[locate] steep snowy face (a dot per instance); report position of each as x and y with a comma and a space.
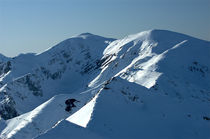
142, 58
64, 68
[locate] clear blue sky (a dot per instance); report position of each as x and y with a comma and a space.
35, 25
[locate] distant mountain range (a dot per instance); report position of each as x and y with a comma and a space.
152, 85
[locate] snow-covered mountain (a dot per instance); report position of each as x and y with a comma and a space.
3, 58
153, 84
65, 68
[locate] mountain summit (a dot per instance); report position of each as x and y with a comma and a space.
153, 84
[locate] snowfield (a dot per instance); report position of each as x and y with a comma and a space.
152, 85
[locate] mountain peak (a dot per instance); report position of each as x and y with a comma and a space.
157, 34
86, 33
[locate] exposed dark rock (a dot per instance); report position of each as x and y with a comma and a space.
106, 88
8, 67
87, 68
123, 92
5, 67
33, 86
7, 110
206, 118
197, 67
56, 75
155, 87
66, 55
134, 98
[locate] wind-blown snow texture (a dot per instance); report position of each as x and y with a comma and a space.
154, 84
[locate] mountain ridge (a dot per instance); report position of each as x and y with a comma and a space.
160, 64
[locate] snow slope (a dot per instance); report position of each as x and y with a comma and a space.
66, 129
137, 58
65, 68
38, 120
153, 84
44, 117
47, 115
127, 110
